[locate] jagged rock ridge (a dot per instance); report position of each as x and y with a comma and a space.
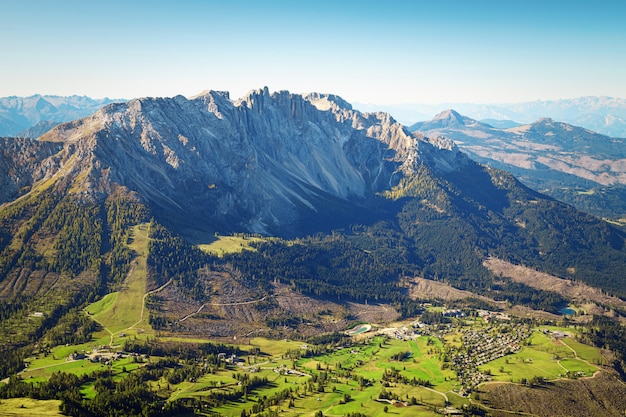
263, 163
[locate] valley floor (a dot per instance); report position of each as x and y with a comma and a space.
484, 360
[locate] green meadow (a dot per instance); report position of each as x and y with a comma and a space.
412, 372
355, 375
367, 360
545, 357
224, 245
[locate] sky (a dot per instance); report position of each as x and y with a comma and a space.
385, 52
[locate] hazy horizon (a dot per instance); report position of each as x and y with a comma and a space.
398, 53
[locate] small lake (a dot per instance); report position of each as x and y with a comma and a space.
566, 311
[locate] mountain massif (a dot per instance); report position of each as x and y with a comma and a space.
283, 165
570, 163
254, 165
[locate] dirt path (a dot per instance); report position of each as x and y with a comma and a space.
581, 359
103, 326
143, 303
443, 394
143, 306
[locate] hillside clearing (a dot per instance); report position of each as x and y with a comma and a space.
224, 245
124, 310
597, 396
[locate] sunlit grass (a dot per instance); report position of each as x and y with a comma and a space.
29, 407
224, 245
105, 304
125, 310
585, 352
274, 347
545, 357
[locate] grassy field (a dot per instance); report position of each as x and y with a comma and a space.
105, 304
367, 360
79, 367
544, 357
585, 352
229, 244
275, 347
29, 407
58, 355
356, 372
121, 314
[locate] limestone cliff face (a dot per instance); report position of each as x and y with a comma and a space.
262, 163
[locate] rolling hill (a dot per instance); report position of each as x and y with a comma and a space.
570, 163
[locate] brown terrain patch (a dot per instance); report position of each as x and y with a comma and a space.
523, 311
232, 307
601, 395
573, 290
421, 288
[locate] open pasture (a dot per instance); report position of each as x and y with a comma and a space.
544, 357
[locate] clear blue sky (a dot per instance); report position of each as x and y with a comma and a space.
384, 52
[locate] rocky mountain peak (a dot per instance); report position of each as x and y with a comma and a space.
447, 119
452, 118
448, 114
211, 93
42, 105
544, 121
254, 98
327, 101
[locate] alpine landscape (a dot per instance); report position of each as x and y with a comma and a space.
278, 253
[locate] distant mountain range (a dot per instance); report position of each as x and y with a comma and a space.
19, 114
571, 163
604, 115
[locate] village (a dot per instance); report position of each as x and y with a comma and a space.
483, 346
498, 338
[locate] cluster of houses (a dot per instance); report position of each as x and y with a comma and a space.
418, 328
486, 345
101, 354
